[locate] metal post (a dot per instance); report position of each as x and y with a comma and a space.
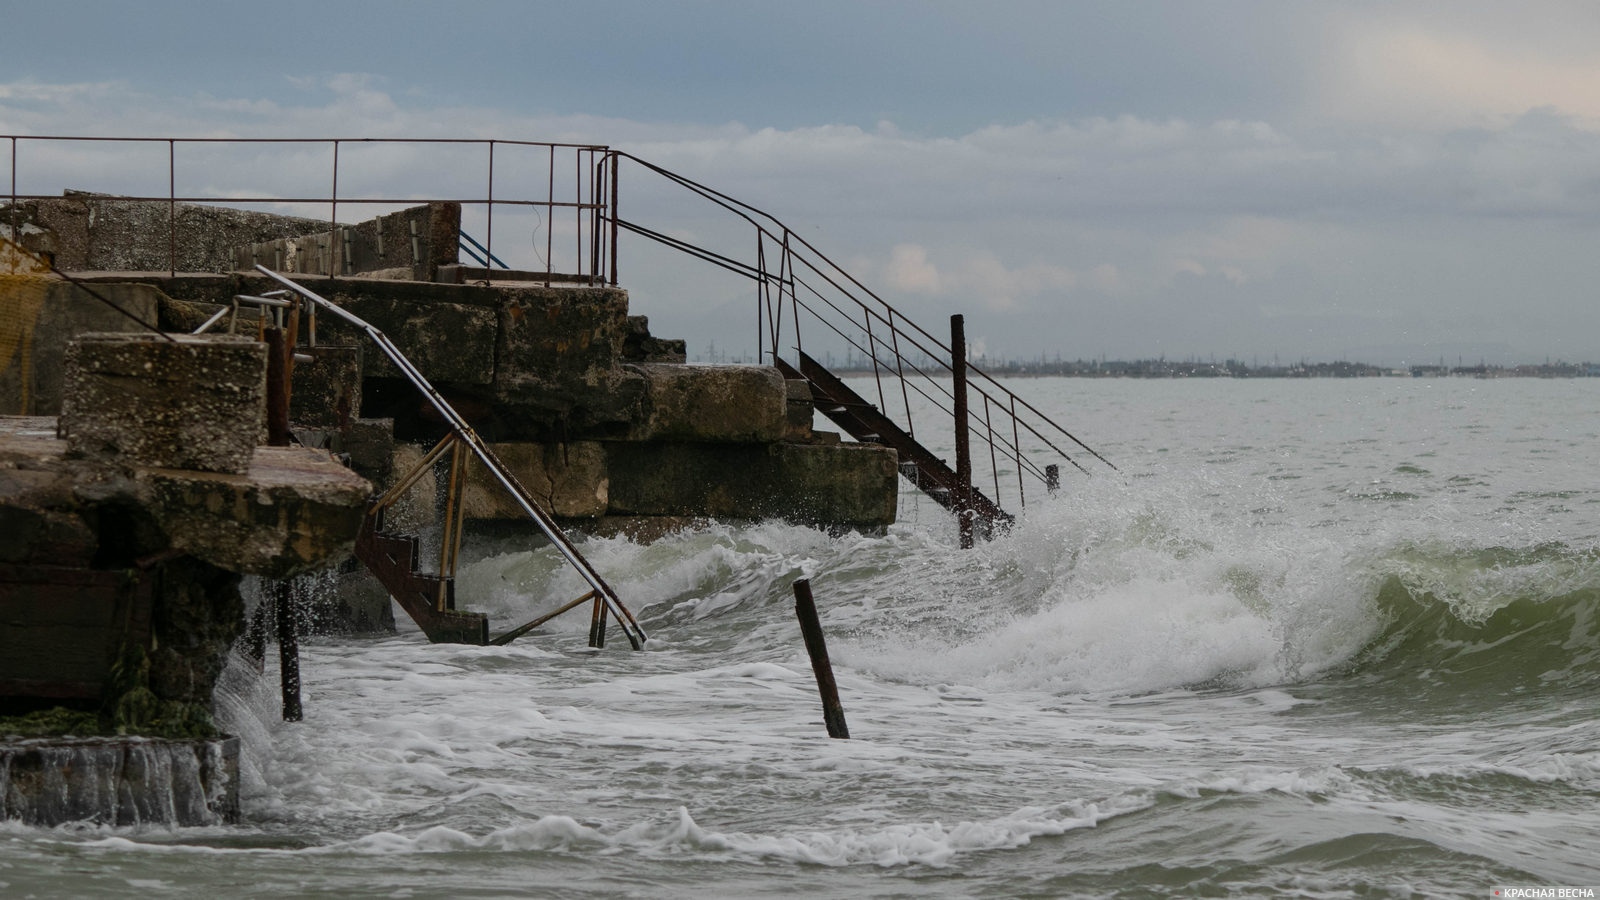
288, 649
549, 218
488, 237
763, 302
805, 609
958, 371
277, 387
616, 166
597, 625
172, 207
14, 235
333, 217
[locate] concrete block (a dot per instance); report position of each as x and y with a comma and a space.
639, 345
327, 389
193, 402
448, 342
852, 485
701, 403
121, 781
370, 445
569, 481
41, 318
799, 410
298, 511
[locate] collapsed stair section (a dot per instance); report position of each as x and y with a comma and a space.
864, 422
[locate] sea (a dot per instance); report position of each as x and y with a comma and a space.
1317, 638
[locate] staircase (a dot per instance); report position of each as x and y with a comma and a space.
804, 298
864, 422
430, 600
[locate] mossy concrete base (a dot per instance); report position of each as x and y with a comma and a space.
119, 781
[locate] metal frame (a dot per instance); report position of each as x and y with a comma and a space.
591, 203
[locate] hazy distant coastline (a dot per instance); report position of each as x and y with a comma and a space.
1164, 368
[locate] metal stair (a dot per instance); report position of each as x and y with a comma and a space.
864, 422
430, 600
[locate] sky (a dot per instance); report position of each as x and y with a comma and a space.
1380, 182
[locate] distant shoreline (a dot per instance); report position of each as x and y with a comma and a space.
1232, 369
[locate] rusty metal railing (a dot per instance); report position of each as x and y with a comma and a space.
557, 179
795, 280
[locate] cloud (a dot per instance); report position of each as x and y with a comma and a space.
1026, 221
1404, 69
910, 272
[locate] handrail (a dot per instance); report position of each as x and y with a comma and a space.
586, 194
468, 243
807, 280
465, 433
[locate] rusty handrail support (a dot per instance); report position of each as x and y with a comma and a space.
521, 630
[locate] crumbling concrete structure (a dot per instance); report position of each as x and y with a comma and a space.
120, 573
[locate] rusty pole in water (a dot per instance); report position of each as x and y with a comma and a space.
283, 601
805, 609
958, 387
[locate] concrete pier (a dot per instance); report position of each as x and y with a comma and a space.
125, 543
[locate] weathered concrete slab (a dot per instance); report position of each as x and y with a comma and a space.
327, 389
294, 511
703, 403
449, 342
569, 481
189, 402
415, 242
558, 370
851, 485
99, 232
42, 316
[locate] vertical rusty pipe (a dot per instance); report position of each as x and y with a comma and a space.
550, 220
14, 236
597, 624
577, 209
872, 350
172, 207
994, 462
277, 387
333, 224
805, 609
288, 649
900, 372
616, 166
448, 525
958, 372
1016, 448
596, 173
763, 303
488, 237
794, 300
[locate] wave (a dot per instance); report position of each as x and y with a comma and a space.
1127, 590
1486, 622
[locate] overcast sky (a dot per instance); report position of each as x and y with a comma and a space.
1383, 182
